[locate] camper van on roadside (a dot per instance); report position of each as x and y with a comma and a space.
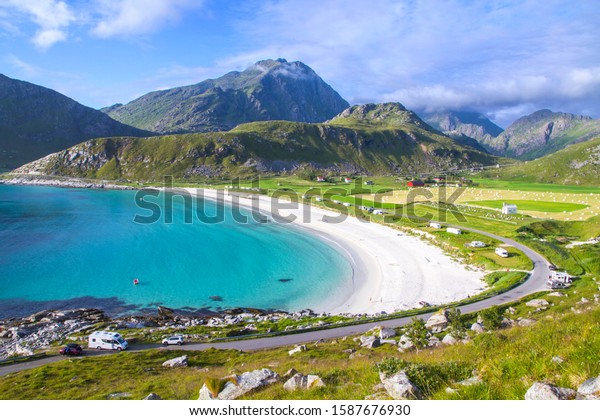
105, 340
453, 230
502, 252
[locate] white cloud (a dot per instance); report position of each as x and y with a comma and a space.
134, 17
486, 56
52, 17
23, 68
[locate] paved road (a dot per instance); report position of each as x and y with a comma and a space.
535, 283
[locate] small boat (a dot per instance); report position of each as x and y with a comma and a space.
216, 298
284, 280
136, 282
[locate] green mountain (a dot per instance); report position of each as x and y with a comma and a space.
268, 90
367, 139
36, 121
577, 164
541, 133
463, 125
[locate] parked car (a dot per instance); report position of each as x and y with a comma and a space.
71, 350
552, 267
174, 340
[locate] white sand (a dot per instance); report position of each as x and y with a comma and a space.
392, 271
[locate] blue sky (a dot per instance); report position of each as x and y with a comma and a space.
503, 58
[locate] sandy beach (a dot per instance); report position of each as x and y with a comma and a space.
392, 270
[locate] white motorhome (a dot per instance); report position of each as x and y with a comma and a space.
502, 252
105, 340
435, 225
455, 231
561, 277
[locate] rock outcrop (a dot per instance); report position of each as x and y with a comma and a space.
399, 386
181, 361
546, 391
238, 385
300, 381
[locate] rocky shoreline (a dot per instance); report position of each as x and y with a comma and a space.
47, 181
25, 336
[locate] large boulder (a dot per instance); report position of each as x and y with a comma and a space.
545, 391
297, 349
590, 387
449, 340
437, 322
176, 362
404, 343
537, 303
386, 333
300, 381
152, 396
370, 341
399, 387
238, 385
477, 327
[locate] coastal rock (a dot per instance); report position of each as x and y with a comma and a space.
370, 342
449, 340
119, 395
404, 344
537, 303
386, 333
300, 381
399, 386
590, 387
477, 327
545, 391
291, 372
437, 322
506, 323
152, 396
297, 349
433, 342
181, 361
238, 385
164, 312
525, 322
473, 380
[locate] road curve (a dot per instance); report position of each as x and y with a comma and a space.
535, 283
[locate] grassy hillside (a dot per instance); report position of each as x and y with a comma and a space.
36, 121
344, 146
578, 164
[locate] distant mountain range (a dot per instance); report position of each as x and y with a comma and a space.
542, 133
268, 90
384, 139
36, 121
529, 137
577, 164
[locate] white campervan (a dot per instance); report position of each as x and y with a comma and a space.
105, 340
502, 252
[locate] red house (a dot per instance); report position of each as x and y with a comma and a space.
415, 183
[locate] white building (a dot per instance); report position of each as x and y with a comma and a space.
509, 208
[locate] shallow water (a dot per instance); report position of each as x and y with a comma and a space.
74, 247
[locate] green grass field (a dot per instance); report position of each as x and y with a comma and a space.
534, 186
532, 205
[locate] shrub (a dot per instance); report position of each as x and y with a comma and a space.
491, 317
417, 333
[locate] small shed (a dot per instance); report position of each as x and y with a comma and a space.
509, 208
415, 183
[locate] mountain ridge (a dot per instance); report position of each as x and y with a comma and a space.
384, 146
267, 90
36, 121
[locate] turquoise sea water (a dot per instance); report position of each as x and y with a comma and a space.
72, 247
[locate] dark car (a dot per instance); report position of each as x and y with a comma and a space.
552, 267
71, 350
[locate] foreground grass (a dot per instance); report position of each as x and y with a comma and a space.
508, 361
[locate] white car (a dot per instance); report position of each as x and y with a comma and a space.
176, 339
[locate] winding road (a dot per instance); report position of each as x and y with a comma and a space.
535, 283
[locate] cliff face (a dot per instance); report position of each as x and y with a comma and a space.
542, 133
36, 121
268, 90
